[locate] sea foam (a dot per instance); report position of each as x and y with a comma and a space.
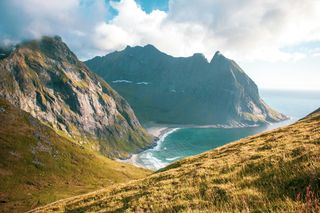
147, 158
162, 138
172, 159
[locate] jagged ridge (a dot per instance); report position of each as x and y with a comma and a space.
184, 90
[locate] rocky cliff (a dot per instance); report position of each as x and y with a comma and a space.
184, 90
47, 80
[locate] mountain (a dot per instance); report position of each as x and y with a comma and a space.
276, 171
184, 90
43, 77
37, 166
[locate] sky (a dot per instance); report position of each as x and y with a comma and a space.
277, 43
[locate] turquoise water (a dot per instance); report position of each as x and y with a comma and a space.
183, 142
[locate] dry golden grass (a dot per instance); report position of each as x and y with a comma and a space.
276, 171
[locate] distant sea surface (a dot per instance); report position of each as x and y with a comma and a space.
183, 142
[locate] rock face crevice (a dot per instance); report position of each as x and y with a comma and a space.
47, 80
184, 90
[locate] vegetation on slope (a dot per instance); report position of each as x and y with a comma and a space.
45, 78
37, 166
275, 171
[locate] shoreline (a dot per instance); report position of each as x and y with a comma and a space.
158, 130
161, 131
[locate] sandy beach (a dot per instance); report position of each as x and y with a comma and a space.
157, 132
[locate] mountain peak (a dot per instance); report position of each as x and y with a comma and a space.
128, 47
147, 46
199, 56
150, 46
52, 47
218, 53
217, 56
44, 40
151, 49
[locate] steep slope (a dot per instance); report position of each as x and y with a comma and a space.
276, 171
47, 80
190, 90
37, 166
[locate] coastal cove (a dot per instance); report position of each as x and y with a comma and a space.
177, 142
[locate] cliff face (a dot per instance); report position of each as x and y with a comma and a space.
190, 90
238, 95
47, 80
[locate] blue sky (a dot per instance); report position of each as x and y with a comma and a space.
277, 43
147, 5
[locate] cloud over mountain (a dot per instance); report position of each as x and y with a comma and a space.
246, 29
72, 19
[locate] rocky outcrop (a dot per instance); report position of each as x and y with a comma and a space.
184, 90
47, 80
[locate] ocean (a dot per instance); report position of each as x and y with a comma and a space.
182, 142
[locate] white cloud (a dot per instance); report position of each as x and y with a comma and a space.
253, 29
245, 29
74, 20
242, 29
132, 26
262, 35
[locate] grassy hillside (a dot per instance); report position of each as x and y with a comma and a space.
37, 166
277, 171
